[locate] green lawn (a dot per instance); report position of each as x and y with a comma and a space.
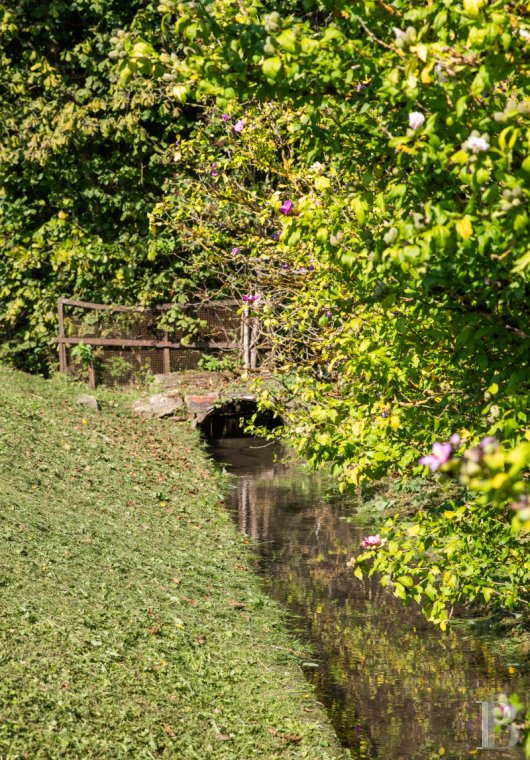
132, 625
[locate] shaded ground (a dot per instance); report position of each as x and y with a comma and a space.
132, 624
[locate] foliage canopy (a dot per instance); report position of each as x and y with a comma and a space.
369, 172
82, 162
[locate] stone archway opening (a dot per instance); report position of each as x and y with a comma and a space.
229, 419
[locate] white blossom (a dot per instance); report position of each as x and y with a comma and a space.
525, 34
476, 143
416, 120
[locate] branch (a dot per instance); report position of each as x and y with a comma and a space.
376, 39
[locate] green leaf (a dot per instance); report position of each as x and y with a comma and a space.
322, 183
461, 105
294, 237
271, 67
486, 593
399, 591
359, 209
406, 580
287, 40
522, 263
460, 157
525, 166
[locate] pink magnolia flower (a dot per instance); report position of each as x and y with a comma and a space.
504, 712
239, 126
251, 298
371, 542
286, 207
441, 454
489, 442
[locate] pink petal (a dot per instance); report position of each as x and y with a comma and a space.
442, 451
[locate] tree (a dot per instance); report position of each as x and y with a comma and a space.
82, 164
373, 176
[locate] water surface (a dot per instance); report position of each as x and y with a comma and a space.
394, 687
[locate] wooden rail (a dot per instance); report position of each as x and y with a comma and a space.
143, 343
155, 307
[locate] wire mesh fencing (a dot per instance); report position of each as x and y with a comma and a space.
120, 345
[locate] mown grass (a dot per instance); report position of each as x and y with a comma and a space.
132, 625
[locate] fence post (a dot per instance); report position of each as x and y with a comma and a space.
166, 357
92, 376
254, 337
62, 347
246, 339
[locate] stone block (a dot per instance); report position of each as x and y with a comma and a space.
90, 401
161, 405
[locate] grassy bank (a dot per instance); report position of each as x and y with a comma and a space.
132, 625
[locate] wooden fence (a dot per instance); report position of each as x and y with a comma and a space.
130, 339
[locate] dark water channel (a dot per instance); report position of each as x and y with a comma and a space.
394, 687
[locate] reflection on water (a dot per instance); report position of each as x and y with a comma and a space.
394, 687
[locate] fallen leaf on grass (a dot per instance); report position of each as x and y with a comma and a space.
200, 638
222, 737
176, 580
286, 738
169, 731
236, 605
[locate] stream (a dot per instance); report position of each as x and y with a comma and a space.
393, 685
